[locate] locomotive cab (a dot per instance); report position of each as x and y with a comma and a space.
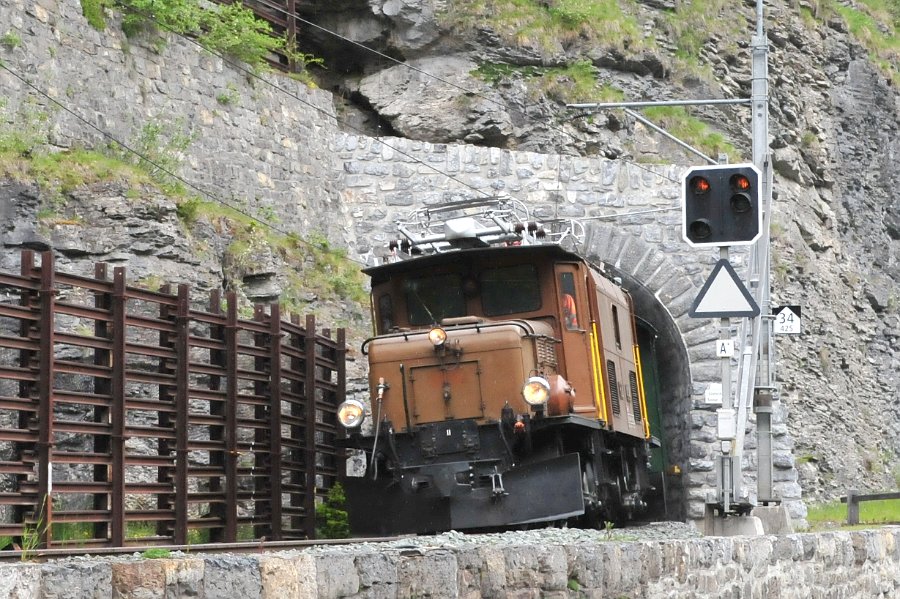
506, 390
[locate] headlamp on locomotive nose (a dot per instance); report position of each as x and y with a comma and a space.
437, 336
351, 413
536, 391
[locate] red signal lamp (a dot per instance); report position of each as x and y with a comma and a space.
700, 185
740, 183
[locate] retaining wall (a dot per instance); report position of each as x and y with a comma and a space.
864, 564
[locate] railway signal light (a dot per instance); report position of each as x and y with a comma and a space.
721, 205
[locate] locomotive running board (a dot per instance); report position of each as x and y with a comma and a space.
540, 492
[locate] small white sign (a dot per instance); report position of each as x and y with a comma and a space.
787, 320
725, 419
713, 394
725, 348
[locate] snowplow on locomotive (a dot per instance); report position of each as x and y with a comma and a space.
506, 381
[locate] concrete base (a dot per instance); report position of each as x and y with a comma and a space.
731, 526
775, 519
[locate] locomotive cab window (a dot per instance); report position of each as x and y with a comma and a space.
567, 300
385, 312
510, 289
431, 299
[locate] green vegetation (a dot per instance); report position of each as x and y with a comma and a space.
229, 29
875, 23
828, 516
549, 27
72, 531
693, 131
160, 148
95, 13
331, 516
139, 530
692, 24
314, 264
157, 553
10, 40
573, 83
229, 96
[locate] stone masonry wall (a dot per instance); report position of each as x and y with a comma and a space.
258, 143
846, 565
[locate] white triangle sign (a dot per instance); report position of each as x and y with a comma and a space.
724, 296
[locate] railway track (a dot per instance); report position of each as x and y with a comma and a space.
248, 547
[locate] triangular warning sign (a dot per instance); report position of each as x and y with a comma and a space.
724, 296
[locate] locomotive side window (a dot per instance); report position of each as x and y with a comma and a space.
615, 319
431, 299
386, 312
510, 289
567, 299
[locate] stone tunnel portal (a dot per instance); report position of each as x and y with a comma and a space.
667, 381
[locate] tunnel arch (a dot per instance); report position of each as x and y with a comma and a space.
662, 294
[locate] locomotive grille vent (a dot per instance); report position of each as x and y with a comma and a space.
635, 401
613, 386
546, 354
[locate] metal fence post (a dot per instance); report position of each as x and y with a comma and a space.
275, 419
309, 498
44, 515
117, 410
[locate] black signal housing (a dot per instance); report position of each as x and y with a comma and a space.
721, 205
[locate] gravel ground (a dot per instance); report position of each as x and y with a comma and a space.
653, 531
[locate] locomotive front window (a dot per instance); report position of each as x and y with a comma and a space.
430, 299
510, 289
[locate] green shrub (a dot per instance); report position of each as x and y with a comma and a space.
693, 131
95, 13
229, 29
332, 521
10, 40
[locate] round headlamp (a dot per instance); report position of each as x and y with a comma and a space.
351, 413
536, 391
437, 336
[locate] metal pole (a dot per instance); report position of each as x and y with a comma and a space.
668, 135
650, 104
762, 384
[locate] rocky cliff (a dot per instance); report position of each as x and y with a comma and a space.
484, 75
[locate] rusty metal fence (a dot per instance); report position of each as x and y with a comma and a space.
129, 417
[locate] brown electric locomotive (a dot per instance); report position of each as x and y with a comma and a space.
505, 377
